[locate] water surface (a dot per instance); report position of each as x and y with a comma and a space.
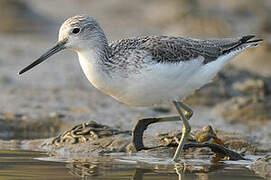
21, 164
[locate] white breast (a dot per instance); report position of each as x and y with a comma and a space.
92, 70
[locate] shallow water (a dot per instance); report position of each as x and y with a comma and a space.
21, 164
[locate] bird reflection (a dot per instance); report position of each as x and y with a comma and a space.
111, 169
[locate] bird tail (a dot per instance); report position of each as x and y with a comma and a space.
244, 43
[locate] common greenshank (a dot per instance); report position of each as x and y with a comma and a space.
150, 70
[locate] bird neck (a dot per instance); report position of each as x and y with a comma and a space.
94, 55
99, 49
94, 64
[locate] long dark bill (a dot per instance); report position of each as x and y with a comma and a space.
60, 46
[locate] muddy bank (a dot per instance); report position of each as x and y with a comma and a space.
90, 139
105, 145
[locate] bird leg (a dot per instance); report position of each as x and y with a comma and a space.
185, 131
188, 112
142, 125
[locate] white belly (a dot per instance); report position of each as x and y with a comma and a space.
160, 83
155, 83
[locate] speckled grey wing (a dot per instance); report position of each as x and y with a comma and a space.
122, 51
166, 49
125, 46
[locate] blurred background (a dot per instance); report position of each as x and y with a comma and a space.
56, 95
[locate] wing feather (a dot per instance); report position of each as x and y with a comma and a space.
166, 49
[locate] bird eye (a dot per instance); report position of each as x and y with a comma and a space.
76, 30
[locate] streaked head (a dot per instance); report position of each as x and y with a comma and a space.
80, 32
77, 33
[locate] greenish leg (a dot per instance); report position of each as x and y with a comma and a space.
186, 127
188, 112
